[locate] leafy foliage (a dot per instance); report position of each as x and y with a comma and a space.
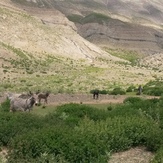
104, 92
153, 88
128, 55
70, 132
117, 91
131, 88
5, 105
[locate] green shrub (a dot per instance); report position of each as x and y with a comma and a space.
154, 88
109, 108
133, 100
154, 138
70, 144
74, 112
5, 106
117, 91
80, 133
103, 92
158, 158
15, 124
154, 91
126, 132
131, 89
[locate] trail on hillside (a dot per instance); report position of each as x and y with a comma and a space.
57, 99
88, 98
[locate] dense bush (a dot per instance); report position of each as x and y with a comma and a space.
15, 124
80, 133
154, 91
158, 156
126, 132
74, 112
131, 89
117, 91
4, 107
104, 92
151, 108
133, 100
154, 88
69, 144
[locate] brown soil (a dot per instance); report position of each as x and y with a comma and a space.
88, 99
84, 98
57, 99
134, 155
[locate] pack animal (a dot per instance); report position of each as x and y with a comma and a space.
20, 104
43, 96
95, 94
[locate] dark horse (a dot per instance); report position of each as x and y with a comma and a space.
95, 94
43, 96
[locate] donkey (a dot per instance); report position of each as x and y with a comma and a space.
43, 96
20, 104
96, 94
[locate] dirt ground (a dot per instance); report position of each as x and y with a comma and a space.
84, 99
77, 98
57, 99
134, 155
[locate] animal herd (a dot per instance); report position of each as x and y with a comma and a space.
25, 102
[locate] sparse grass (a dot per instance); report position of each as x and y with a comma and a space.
42, 111
90, 18
128, 55
95, 18
16, 51
62, 75
75, 18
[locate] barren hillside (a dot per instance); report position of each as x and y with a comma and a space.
40, 48
43, 31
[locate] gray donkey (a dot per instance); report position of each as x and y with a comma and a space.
20, 104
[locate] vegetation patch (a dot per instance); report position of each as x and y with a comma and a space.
154, 88
128, 55
91, 18
68, 133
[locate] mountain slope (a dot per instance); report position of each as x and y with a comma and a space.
131, 25
44, 35
41, 49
